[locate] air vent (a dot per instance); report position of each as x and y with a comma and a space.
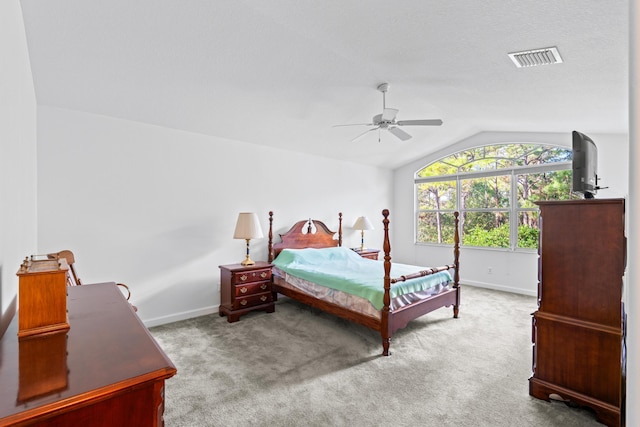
531, 58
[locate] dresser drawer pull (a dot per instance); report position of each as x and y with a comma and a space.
263, 298
243, 302
263, 286
243, 277
243, 290
263, 274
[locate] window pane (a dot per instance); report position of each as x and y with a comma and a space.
528, 227
491, 157
488, 229
486, 193
434, 227
486, 158
543, 186
447, 166
437, 195
540, 154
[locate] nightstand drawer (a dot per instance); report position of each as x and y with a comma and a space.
247, 289
251, 300
252, 276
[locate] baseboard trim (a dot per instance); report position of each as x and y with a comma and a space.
500, 288
176, 317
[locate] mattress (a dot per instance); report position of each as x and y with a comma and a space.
339, 264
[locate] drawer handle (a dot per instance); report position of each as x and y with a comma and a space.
263, 274
263, 286
243, 277
243, 290
263, 298
243, 302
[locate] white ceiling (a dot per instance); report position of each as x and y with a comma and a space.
283, 72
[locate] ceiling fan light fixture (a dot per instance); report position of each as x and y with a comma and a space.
532, 58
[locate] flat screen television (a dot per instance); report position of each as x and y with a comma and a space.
584, 165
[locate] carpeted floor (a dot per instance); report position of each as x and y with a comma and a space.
302, 367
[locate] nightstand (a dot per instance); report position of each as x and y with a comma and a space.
367, 253
245, 288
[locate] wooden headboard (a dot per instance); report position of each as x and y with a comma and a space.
301, 236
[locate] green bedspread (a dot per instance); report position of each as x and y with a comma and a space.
342, 269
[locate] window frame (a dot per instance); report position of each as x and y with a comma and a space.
513, 209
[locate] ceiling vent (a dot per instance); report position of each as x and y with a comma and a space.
531, 58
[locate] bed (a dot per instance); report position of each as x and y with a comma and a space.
415, 291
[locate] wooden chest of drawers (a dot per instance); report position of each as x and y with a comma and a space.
244, 288
578, 330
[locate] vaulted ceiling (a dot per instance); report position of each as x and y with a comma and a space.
283, 72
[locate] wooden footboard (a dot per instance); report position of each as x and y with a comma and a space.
389, 321
403, 315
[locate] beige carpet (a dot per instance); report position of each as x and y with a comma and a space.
301, 367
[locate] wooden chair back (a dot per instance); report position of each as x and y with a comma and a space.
72, 276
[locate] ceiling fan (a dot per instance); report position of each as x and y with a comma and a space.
387, 120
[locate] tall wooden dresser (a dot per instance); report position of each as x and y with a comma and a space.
578, 332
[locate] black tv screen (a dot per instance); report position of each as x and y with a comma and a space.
584, 165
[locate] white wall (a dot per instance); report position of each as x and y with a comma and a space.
633, 220
155, 208
511, 271
17, 154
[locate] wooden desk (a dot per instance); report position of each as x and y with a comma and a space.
106, 370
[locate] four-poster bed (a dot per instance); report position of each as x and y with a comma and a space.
401, 299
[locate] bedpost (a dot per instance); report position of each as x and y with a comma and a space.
456, 262
339, 228
270, 245
385, 327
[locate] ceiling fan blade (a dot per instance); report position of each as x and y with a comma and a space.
355, 124
399, 133
389, 114
426, 122
365, 132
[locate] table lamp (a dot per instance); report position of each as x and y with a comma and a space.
247, 227
362, 223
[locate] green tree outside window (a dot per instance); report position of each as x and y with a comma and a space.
490, 186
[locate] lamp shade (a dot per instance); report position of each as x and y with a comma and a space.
362, 223
248, 226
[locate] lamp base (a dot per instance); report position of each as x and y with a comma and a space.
248, 261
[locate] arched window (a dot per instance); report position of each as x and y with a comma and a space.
494, 188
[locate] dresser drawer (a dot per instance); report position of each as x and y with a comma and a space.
252, 300
252, 276
247, 289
